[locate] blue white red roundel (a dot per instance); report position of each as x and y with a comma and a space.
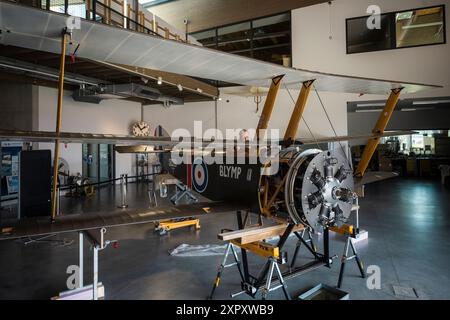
199, 175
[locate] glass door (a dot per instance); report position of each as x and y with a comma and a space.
98, 162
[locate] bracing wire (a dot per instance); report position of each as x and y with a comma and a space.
332, 127
307, 126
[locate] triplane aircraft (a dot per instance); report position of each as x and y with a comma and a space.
312, 189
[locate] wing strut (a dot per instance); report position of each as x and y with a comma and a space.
297, 113
59, 120
268, 105
381, 124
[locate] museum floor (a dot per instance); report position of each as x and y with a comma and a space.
407, 220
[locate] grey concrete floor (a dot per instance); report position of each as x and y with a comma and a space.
408, 222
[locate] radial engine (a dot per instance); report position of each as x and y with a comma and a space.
311, 187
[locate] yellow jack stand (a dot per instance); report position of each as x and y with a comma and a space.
165, 226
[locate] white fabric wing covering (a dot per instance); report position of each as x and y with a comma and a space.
41, 30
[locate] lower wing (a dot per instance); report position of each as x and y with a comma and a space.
40, 226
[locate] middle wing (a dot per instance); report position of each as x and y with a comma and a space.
146, 144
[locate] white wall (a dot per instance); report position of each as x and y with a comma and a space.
312, 49
108, 117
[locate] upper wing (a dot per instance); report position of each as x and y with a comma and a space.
42, 31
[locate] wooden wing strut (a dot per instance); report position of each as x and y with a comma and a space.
379, 128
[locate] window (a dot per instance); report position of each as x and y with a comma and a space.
150, 3
403, 29
267, 39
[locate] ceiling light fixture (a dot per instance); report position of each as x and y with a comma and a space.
160, 80
369, 110
371, 104
430, 102
408, 109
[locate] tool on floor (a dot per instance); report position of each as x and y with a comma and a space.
165, 226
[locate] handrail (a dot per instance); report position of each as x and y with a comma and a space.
98, 183
68, 186
128, 20
91, 7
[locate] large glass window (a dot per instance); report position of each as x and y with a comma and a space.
419, 27
400, 29
267, 39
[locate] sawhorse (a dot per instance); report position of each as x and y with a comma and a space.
183, 191
350, 232
308, 243
253, 240
262, 249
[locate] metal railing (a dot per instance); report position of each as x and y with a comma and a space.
90, 10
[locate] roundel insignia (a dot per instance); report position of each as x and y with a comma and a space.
199, 175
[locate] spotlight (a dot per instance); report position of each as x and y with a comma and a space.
199, 90
180, 87
160, 80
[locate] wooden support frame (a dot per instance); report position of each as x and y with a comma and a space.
297, 113
379, 128
267, 205
249, 235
